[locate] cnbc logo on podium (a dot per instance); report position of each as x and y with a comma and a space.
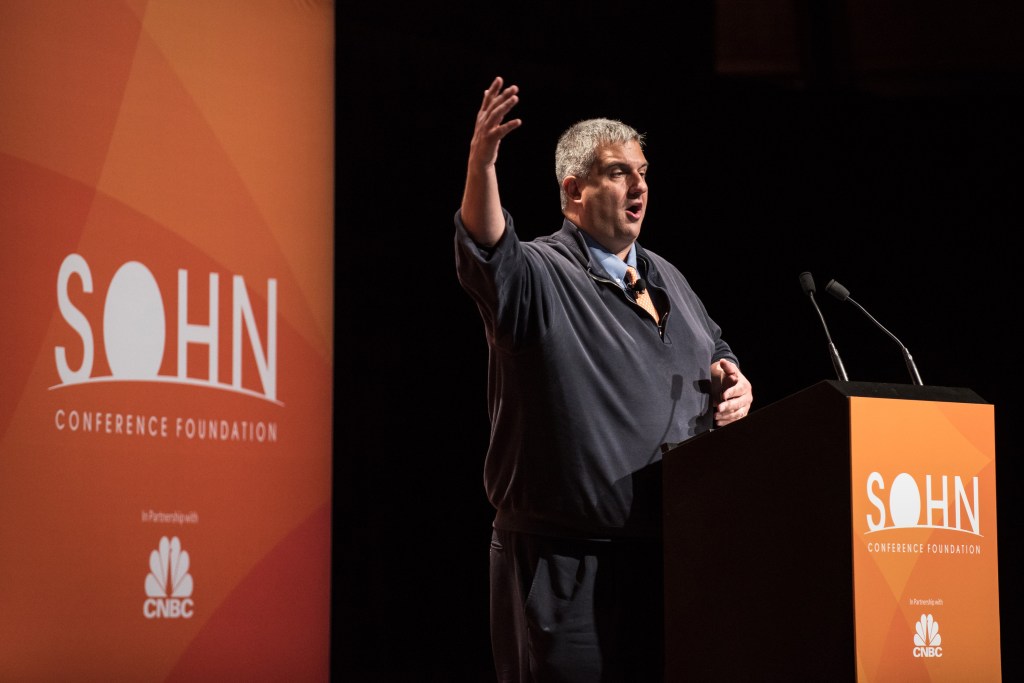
168, 584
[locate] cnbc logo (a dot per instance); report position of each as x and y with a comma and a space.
927, 641
168, 584
134, 330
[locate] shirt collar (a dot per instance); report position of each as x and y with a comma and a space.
611, 263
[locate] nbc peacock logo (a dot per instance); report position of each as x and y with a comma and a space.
927, 641
168, 584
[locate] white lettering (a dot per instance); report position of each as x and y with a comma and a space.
905, 505
961, 496
242, 309
169, 608
74, 265
135, 349
876, 478
936, 503
197, 334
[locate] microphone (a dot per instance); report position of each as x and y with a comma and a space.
639, 285
843, 294
807, 282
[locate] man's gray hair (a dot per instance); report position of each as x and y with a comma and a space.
577, 147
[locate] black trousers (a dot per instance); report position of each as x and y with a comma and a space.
566, 610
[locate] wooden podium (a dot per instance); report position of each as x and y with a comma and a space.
846, 532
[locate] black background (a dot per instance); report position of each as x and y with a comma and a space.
902, 181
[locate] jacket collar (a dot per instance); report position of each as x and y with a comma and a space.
571, 237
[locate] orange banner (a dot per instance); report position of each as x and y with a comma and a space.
924, 541
167, 263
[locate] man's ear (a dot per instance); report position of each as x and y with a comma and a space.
572, 188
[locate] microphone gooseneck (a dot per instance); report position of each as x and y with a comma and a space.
807, 283
843, 294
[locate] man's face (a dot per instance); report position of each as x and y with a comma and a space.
613, 197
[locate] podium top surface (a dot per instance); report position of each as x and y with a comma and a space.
911, 392
820, 400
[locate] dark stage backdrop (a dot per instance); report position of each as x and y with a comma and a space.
899, 175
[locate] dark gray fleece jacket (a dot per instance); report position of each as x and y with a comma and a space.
583, 386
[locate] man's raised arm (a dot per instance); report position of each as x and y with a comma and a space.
481, 203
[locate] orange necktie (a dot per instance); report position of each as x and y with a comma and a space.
643, 297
